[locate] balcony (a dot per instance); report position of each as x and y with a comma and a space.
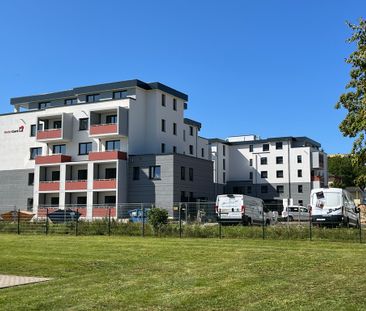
54, 128
103, 129
107, 155
50, 134
105, 184
108, 122
55, 158
76, 185
49, 186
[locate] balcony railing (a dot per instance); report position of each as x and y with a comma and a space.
54, 158
104, 184
103, 129
49, 134
49, 186
107, 155
76, 185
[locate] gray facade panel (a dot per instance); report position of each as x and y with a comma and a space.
14, 189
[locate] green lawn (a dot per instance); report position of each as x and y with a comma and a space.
126, 273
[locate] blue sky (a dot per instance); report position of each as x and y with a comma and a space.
271, 68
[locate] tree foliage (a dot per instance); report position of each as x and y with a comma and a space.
158, 218
354, 100
342, 169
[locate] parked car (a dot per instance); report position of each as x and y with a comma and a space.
333, 207
241, 209
296, 213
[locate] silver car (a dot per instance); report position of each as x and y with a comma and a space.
296, 213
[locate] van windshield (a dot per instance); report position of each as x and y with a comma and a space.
331, 199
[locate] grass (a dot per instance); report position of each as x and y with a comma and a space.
132, 273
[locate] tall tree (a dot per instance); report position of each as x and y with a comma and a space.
354, 100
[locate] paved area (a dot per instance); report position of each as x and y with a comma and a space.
13, 280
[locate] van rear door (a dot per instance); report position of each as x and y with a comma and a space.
230, 206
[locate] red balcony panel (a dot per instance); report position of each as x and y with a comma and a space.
315, 178
104, 184
55, 158
49, 186
76, 185
107, 155
103, 212
102, 129
49, 134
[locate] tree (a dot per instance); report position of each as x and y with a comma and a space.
342, 169
158, 218
354, 100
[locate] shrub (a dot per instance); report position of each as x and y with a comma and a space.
158, 219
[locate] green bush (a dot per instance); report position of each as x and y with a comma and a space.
158, 219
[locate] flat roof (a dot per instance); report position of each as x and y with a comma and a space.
193, 123
98, 88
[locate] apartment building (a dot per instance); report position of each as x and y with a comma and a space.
272, 169
126, 141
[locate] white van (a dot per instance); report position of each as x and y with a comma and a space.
238, 208
333, 207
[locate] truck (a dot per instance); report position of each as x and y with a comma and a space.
241, 209
333, 207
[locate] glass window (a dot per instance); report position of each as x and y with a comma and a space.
35, 152
279, 174
81, 200
162, 125
83, 124
249, 189
163, 100
299, 159
299, 188
162, 148
174, 104
279, 160
280, 189
82, 174
264, 174
33, 130
112, 145
174, 128
264, 161
59, 149
119, 94
30, 179
202, 152
43, 105
54, 201
71, 101
223, 164
190, 149
250, 175
279, 145
111, 119
223, 150
85, 148
191, 130
299, 173
136, 173
57, 124
250, 162
155, 172
92, 98
223, 177
110, 173
55, 175
265, 147
174, 149
303, 210
182, 173
184, 135
250, 148
190, 174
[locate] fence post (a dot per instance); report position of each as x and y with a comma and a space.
180, 219
263, 223
359, 223
186, 205
220, 224
77, 222
18, 221
46, 221
109, 220
310, 226
143, 219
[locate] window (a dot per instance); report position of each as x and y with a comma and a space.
224, 177
279, 174
43, 105
182, 173
136, 173
83, 124
264, 174
33, 130
54, 201
250, 162
250, 148
301, 203
184, 135
55, 175
112, 145
250, 175
191, 130
174, 149
174, 128
163, 100
35, 152
82, 174
264, 161
29, 204
279, 160
223, 164
190, 149
30, 179
119, 94
264, 189
92, 98
299, 188
202, 152
280, 189
223, 150
249, 189
299, 159
81, 200
265, 147
110, 199
162, 148
71, 101
162, 125
110, 173
85, 148
111, 119
183, 197
279, 145
174, 104
57, 124
59, 149
155, 172
190, 174
299, 173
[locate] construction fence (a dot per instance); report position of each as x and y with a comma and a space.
185, 220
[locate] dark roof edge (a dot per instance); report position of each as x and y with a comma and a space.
274, 139
218, 140
193, 123
98, 88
